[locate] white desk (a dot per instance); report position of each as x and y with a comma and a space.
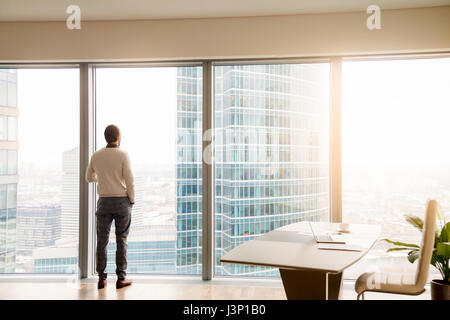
306, 271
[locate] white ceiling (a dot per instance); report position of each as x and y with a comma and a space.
47, 10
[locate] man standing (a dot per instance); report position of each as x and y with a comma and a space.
110, 168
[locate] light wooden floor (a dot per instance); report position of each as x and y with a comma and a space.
160, 290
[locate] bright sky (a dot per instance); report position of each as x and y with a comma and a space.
48, 101
396, 112
143, 103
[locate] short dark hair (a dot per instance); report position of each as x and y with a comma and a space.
112, 133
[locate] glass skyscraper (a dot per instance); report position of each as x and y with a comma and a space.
8, 169
271, 152
189, 170
271, 165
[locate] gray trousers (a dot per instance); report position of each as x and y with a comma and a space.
119, 210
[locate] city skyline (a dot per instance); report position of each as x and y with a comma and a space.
166, 234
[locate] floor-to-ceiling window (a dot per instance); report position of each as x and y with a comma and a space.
39, 141
271, 167
395, 149
159, 113
271, 146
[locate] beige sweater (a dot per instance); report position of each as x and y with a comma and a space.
110, 167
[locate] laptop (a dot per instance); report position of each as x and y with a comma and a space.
325, 238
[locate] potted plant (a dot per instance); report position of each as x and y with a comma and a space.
440, 289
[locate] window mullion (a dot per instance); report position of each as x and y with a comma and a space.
85, 257
207, 175
336, 140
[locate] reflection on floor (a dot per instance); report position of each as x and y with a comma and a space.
151, 289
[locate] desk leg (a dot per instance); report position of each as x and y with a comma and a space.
310, 285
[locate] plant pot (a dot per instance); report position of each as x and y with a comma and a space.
440, 290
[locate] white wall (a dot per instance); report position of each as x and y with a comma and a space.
405, 30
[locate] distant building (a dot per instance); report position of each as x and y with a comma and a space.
70, 193
9, 178
37, 227
137, 215
151, 249
62, 257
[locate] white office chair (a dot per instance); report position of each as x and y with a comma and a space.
389, 283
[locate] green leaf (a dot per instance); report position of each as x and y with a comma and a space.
413, 256
401, 243
434, 260
443, 250
415, 221
437, 259
398, 249
445, 233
